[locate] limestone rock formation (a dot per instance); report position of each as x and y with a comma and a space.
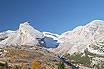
81, 38
25, 35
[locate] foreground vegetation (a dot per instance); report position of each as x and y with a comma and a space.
85, 59
28, 58
79, 59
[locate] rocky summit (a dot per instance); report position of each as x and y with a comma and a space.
83, 45
25, 35
81, 38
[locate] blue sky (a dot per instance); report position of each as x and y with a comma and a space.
56, 16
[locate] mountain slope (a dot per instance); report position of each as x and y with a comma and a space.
25, 35
77, 40
83, 46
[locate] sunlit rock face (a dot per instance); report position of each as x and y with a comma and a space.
82, 37
25, 35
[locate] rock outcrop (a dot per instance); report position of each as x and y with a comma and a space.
25, 35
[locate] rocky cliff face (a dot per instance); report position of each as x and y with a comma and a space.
25, 35
81, 38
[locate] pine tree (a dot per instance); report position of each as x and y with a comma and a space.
61, 65
6, 65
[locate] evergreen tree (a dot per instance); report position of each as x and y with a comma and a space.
6, 65
61, 65
18, 67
